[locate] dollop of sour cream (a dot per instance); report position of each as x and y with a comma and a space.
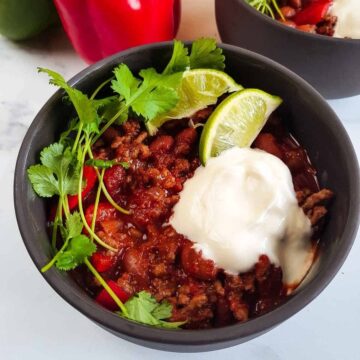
348, 22
241, 205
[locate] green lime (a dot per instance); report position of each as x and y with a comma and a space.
199, 88
22, 19
237, 121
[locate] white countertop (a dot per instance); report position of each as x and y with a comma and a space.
35, 323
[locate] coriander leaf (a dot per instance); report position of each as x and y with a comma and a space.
65, 138
84, 107
51, 156
172, 81
140, 306
106, 164
163, 311
126, 83
74, 225
61, 161
43, 181
57, 158
58, 174
155, 95
179, 61
152, 79
170, 324
144, 308
206, 55
113, 107
158, 101
79, 248
101, 103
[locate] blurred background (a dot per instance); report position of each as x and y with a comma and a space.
98, 29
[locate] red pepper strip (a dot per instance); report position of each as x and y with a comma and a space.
99, 28
105, 211
105, 299
90, 177
102, 262
313, 13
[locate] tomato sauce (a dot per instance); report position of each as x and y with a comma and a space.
151, 255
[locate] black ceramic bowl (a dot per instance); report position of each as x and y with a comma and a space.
311, 120
331, 65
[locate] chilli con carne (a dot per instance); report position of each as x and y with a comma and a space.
150, 254
114, 187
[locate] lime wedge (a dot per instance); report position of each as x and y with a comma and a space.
199, 88
236, 121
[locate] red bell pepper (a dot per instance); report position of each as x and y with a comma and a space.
313, 13
105, 211
102, 262
106, 300
99, 28
90, 176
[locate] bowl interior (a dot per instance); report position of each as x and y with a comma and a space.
310, 119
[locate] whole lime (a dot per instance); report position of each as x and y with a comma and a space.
22, 19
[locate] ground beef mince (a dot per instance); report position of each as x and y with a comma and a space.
152, 256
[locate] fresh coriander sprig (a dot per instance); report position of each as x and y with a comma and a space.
61, 170
144, 308
156, 93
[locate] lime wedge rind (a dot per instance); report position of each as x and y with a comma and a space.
236, 121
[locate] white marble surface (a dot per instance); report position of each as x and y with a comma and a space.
35, 323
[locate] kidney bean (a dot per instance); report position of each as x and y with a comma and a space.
113, 179
268, 143
295, 159
194, 264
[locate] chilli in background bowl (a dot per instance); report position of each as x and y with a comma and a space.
330, 64
309, 118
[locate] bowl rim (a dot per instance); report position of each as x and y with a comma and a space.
278, 24
228, 334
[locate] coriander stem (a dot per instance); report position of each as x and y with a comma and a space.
99, 88
106, 287
81, 210
57, 217
93, 221
53, 260
276, 6
76, 142
66, 206
104, 189
112, 202
109, 123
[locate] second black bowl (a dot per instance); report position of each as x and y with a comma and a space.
331, 65
310, 119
